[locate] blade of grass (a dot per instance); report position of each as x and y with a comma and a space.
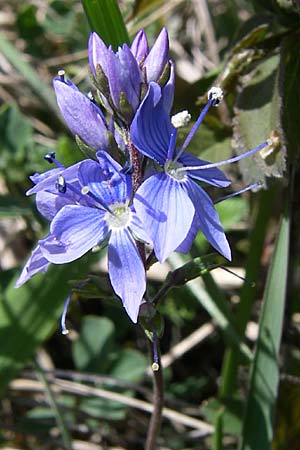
231, 359
258, 421
105, 18
43, 91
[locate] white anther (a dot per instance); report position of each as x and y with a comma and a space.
90, 95
61, 73
155, 367
216, 94
85, 190
181, 119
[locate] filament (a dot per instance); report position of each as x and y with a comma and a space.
241, 191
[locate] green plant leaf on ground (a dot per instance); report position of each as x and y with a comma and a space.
29, 314
258, 421
105, 18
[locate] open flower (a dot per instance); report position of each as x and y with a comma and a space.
100, 208
122, 74
171, 203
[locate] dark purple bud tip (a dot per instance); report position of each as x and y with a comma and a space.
50, 157
128, 168
60, 184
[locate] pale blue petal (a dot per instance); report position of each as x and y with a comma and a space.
208, 218
166, 212
126, 271
137, 228
212, 176
73, 232
36, 263
186, 245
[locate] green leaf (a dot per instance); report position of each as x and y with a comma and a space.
258, 421
256, 116
91, 351
29, 314
290, 75
129, 366
105, 18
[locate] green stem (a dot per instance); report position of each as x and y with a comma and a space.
158, 402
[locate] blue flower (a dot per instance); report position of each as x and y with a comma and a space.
171, 204
97, 206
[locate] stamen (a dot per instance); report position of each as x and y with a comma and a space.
230, 160
50, 158
250, 283
64, 329
216, 94
241, 191
61, 184
85, 190
195, 127
172, 145
181, 119
61, 74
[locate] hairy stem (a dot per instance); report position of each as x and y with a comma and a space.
158, 401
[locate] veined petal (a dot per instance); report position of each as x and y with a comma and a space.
137, 228
48, 182
166, 212
82, 116
73, 232
208, 218
151, 127
157, 57
126, 271
186, 245
97, 51
105, 180
139, 46
48, 203
36, 263
212, 176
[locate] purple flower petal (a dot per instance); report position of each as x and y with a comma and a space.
208, 218
82, 116
105, 180
97, 51
36, 263
157, 57
166, 212
48, 182
186, 245
73, 232
212, 176
126, 271
139, 46
137, 228
151, 127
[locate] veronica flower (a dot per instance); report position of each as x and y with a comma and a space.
171, 203
84, 118
121, 74
100, 209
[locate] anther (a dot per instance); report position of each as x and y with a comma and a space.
61, 184
85, 190
216, 95
181, 119
273, 143
50, 157
61, 74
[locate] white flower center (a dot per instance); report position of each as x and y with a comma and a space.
171, 168
119, 217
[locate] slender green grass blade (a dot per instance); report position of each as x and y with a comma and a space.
29, 314
42, 90
258, 421
105, 18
